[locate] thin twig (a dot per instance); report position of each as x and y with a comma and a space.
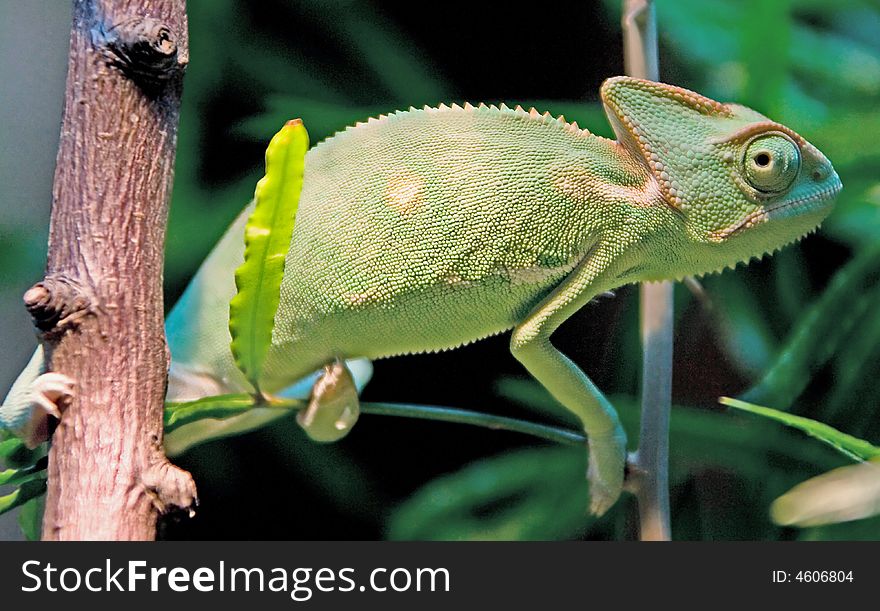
650, 463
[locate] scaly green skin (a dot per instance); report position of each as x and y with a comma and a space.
428, 229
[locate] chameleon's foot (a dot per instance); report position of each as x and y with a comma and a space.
607, 459
51, 389
333, 407
170, 487
48, 394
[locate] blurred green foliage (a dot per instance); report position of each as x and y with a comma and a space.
799, 332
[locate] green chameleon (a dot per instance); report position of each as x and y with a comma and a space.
428, 229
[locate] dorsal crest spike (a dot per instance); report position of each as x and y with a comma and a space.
518, 112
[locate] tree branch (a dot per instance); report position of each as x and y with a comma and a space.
649, 475
100, 306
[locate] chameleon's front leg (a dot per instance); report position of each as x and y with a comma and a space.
530, 344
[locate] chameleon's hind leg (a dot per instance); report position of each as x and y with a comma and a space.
333, 407
530, 344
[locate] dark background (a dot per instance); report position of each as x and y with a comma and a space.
813, 65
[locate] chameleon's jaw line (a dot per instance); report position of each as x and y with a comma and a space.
795, 207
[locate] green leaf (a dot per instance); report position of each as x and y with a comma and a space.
30, 518
22, 495
9, 447
15, 454
19, 476
267, 239
853, 447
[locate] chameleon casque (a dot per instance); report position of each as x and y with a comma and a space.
428, 229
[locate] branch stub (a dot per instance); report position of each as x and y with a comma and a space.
145, 49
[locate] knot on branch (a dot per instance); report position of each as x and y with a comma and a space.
145, 49
57, 304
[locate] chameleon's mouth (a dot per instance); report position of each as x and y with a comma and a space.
787, 209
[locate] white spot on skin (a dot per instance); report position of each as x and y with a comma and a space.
404, 192
455, 280
371, 295
538, 274
597, 191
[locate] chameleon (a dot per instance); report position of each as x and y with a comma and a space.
424, 230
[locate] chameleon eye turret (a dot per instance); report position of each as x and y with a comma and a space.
771, 162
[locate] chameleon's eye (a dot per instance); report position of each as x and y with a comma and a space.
771, 163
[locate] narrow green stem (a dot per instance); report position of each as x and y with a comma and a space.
227, 406
463, 416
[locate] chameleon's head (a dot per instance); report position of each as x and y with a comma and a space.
741, 182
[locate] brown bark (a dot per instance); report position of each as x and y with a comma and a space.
100, 305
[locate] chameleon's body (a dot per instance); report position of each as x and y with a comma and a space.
428, 229
412, 231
